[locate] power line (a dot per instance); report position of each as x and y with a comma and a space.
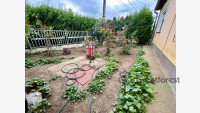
141, 2
132, 5
124, 5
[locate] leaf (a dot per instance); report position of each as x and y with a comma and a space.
138, 105
132, 109
125, 106
128, 88
111, 112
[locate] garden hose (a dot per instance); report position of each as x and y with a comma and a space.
74, 71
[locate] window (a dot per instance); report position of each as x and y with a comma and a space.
162, 17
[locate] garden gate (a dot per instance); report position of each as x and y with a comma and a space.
60, 37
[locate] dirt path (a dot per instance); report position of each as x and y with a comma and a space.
102, 103
165, 98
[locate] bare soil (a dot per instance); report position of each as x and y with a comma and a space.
103, 102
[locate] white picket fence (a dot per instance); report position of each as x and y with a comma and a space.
59, 38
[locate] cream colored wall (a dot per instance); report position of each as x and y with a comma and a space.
166, 39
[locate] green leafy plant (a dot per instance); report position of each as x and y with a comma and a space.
54, 78
43, 105
140, 52
74, 96
114, 59
97, 55
107, 54
125, 51
43, 61
135, 90
71, 58
97, 85
37, 85
29, 63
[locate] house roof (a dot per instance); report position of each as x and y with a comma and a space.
160, 4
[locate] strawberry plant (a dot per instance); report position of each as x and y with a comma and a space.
37, 85
114, 59
41, 106
74, 96
135, 90
54, 78
29, 63
42, 61
97, 85
140, 52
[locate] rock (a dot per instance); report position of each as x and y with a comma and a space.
33, 98
66, 51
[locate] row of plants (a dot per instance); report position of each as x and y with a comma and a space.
135, 90
38, 85
97, 85
27, 54
42, 61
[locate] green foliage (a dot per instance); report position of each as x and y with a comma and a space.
71, 58
29, 63
75, 96
140, 52
125, 51
54, 78
97, 85
37, 85
135, 90
107, 54
43, 61
133, 46
97, 55
41, 106
58, 19
27, 54
141, 25
114, 59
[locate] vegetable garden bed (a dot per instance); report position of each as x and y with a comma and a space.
101, 102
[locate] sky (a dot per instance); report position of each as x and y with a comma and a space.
94, 8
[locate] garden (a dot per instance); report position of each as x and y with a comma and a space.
107, 74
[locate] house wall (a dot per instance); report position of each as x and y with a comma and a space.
165, 40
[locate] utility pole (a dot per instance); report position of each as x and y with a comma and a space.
104, 8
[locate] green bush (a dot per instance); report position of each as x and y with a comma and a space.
58, 19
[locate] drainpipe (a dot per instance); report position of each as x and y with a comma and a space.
154, 26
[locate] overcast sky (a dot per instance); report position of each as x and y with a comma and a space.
94, 8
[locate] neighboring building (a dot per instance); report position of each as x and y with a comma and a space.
164, 40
